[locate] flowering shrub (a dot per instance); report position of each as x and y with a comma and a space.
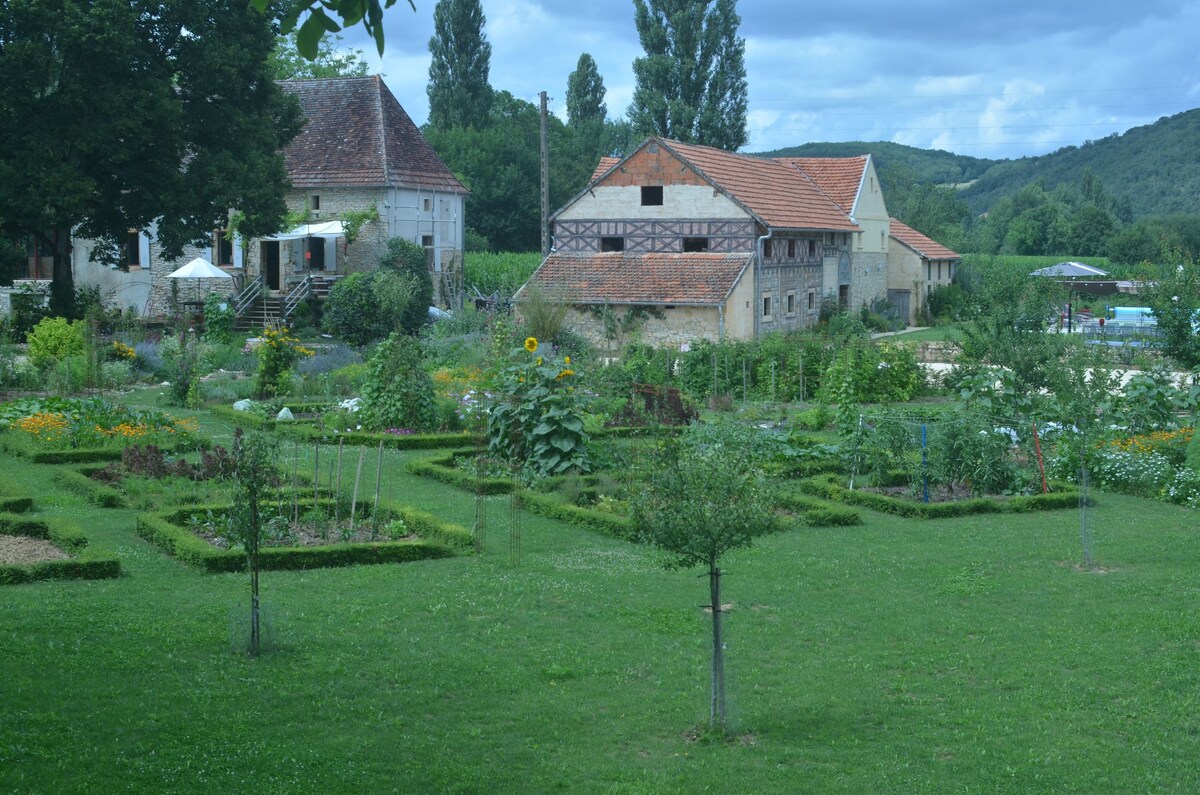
121, 352
59, 423
1144, 465
277, 352
535, 419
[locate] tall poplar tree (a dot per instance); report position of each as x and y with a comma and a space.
459, 93
691, 84
585, 94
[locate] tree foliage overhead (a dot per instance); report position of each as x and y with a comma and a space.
691, 83
118, 113
319, 20
459, 92
330, 61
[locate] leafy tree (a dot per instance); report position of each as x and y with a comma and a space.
691, 84
114, 115
1175, 301
408, 259
933, 210
288, 64
318, 22
364, 307
585, 94
701, 499
253, 473
459, 92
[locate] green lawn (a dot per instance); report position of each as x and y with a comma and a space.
961, 655
933, 334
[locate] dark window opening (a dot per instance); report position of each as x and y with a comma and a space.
791, 249
612, 244
791, 303
314, 253
766, 249
316, 202
812, 248
766, 306
131, 250
812, 300
695, 244
652, 195
426, 241
223, 249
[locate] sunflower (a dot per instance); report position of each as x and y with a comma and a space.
531, 344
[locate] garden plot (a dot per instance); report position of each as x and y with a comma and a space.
36, 549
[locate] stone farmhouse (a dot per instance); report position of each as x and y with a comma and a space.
706, 244
358, 154
916, 265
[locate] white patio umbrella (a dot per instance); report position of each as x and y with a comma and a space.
197, 269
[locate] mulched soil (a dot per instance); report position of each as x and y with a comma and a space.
953, 493
21, 550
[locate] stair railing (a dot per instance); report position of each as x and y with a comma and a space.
294, 297
246, 298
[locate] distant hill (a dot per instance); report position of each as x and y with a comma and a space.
1155, 168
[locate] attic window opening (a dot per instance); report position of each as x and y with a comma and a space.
314, 202
812, 248
766, 249
791, 249
694, 244
612, 244
428, 205
652, 195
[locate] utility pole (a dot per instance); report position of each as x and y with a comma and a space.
545, 182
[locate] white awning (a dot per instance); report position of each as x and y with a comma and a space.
327, 229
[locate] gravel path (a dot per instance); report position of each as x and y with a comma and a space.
23, 549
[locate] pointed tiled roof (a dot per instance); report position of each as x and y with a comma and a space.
838, 177
699, 279
924, 246
779, 194
357, 135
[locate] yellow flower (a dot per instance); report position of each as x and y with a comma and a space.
531, 344
565, 373
567, 359
539, 361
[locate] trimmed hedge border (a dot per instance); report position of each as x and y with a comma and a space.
96, 493
440, 540
85, 563
85, 456
1066, 496
813, 512
606, 523
442, 468
15, 502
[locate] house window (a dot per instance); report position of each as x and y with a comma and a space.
812, 300
426, 241
131, 250
766, 304
612, 244
766, 249
652, 195
791, 249
314, 253
315, 202
222, 247
427, 204
791, 302
695, 244
812, 249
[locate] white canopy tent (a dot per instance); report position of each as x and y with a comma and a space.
197, 269
1077, 269
327, 229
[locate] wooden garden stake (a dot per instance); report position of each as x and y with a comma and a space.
378, 478
317, 476
357, 476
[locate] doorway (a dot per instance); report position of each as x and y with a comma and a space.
270, 264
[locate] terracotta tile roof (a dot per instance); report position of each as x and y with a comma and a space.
781, 195
659, 278
357, 135
839, 177
924, 246
603, 166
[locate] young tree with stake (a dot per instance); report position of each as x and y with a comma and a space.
702, 498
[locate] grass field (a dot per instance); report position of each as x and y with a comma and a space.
967, 655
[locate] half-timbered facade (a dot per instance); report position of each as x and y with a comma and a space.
670, 203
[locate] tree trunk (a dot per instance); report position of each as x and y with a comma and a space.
717, 706
62, 284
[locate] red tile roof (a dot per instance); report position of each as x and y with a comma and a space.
839, 177
623, 278
924, 246
357, 135
603, 167
779, 194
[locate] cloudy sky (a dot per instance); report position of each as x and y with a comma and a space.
992, 79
